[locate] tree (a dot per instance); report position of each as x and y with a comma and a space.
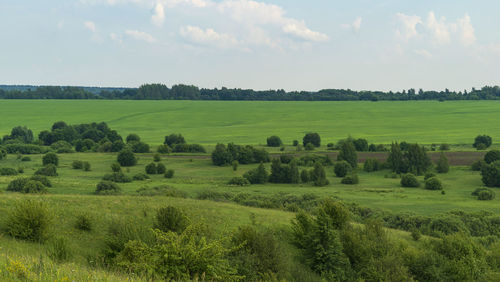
361, 145
151, 168
312, 138
492, 156
442, 165
491, 174
348, 153
21, 133
221, 156
173, 139
304, 176
342, 168
482, 139
258, 175
294, 172
50, 158
417, 158
396, 159
126, 158
274, 141
58, 125
133, 138
409, 180
318, 175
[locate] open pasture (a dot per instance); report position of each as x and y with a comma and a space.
251, 122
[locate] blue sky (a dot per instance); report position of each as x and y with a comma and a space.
291, 45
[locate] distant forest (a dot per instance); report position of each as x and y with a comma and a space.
189, 92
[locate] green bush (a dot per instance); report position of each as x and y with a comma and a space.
309, 147
157, 157
115, 167
433, 183
50, 158
444, 147
169, 173
43, 179
312, 138
140, 177
350, 179
86, 166
132, 137
59, 249
372, 165
258, 175
160, 168
409, 180
118, 177
239, 181
62, 146
139, 147
348, 153
318, 175
295, 142
83, 222
48, 170
482, 142
274, 141
484, 194
126, 158
25, 149
29, 220
478, 165
107, 188
164, 149
26, 159
77, 164
342, 168
17, 185
8, 171
442, 165
170, 219
33, 186
235, 164
492, 156
304, 176
429, 174
150, 168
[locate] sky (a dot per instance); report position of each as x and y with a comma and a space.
284, 44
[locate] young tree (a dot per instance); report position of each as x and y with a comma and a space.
418, 160
442, 165
126, 158
485, 140
312, 138
348, 153
274, 141
319, 175
133, 138
396, 159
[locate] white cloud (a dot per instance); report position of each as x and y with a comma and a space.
423, 53
208, 36
193, 3
355, 26
116, 37
409, 28
140, 35
158, 16
467, 35
90, 26
438, 28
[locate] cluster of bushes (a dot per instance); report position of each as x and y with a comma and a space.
482, 142
48, 170
371, 165
177, 144
484, 194
309, 160
154, 168
284, 173
8, 171
81, 165
34, 184
225, 155
414, 159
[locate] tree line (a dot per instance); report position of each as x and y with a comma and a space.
159, 91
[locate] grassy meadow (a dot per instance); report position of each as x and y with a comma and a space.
251, 122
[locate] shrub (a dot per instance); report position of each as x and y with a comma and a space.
85, 145
485, 140
25, 149
164, 149
409, 180
156, 157
8, 171
151, 168
62, 146
33, 186
442, 165
170, 219
188, 148
169, 173
491, 174
342, 168
295, 142
309, 147
312, 138
361, 145
26, 159
117, 146
304, 176
43, 179
140, 177
29, 220
48, 170
492, 156
3, 153
372, 165
318, 175
133, 138
444, 147
433, 183
107, 188
239, 181
258, 175
77, 164
17, 185
163, 190
478, 165
173, 139
235, 164
484, 194
59, 250
83, 222
118, 177
350, 179
50, 158
429, 174
160, 168
348, 153
126, 158
86, 166
115, 167
274, 141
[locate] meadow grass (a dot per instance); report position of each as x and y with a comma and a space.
251, 122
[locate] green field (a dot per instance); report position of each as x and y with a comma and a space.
250, 122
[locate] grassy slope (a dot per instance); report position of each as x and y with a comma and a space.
209, 122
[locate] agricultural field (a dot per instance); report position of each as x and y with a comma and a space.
251, 122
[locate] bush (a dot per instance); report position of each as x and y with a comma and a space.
274, 141
295, 143
115, 167
118, 177
482, 142
77, 164
33, 186
350, 179
492, 156
140, 177
84, 145
444, 147
312, 138
342, 168
86, 166
26, 159
50, 158
188, 148
372, 165
239, 181
62, 146
442, 165
83, 222
26, 149
8, 171
174, 139
318, 175
160, 168
150, 168
29, 220
59, 250
478, 165
169, 173
164, 149
48, 170
156, 157
409, 180
484, 194
258, 175
348, 153
43, 179
3, 153
433, 183
361, 145
491, 174
429, 174
133, 138
126, 158
235, 164
304, 176
170, 219
107, 188
309, 147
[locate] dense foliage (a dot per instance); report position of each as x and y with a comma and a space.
225, 155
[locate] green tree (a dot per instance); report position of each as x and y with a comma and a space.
348, 153
50, 158
274, 141
318, 175
126, 158
442, 165
485, 140
312, 138
342, 168
417, 158
396, 159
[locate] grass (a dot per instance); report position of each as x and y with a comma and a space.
251, 122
